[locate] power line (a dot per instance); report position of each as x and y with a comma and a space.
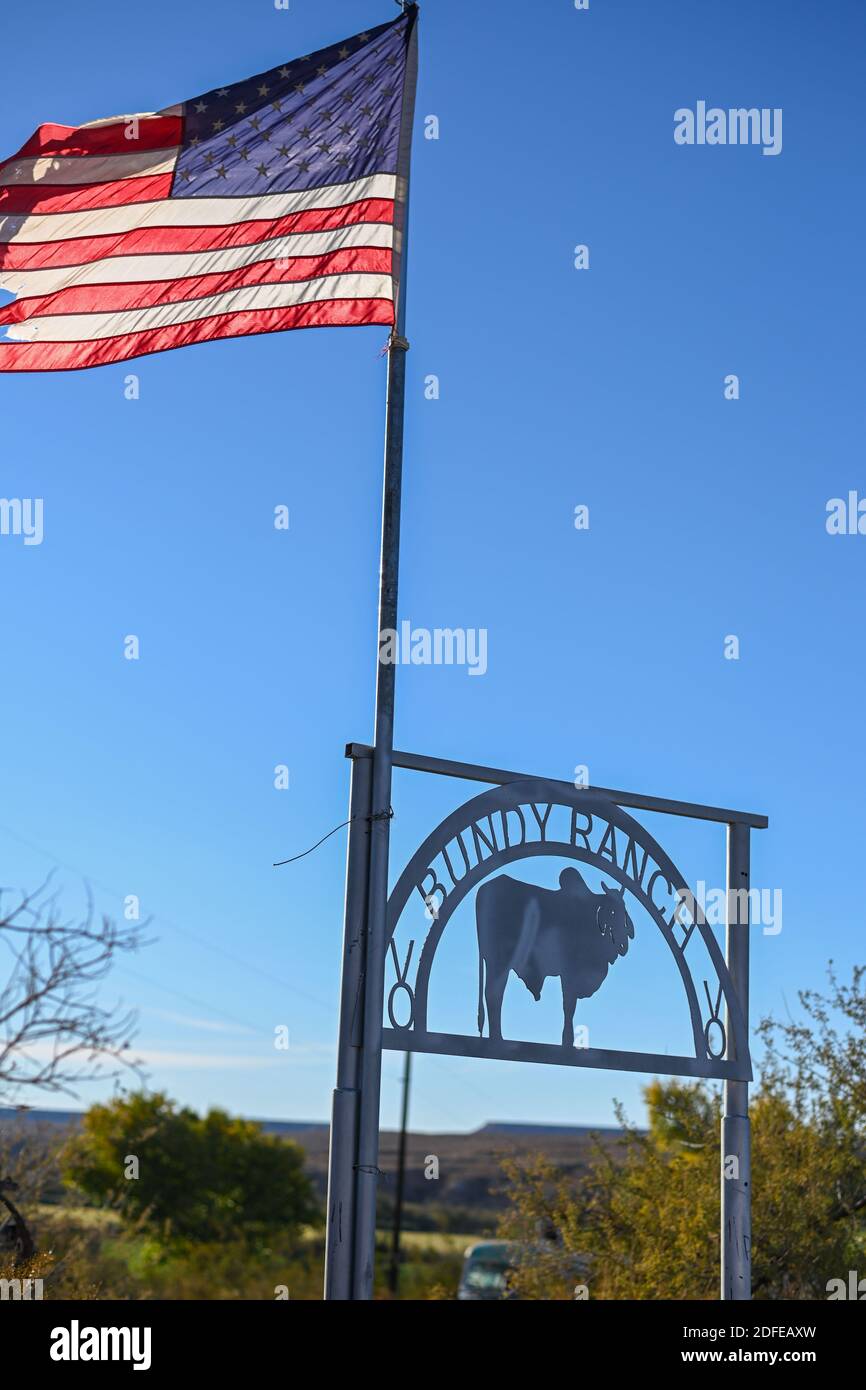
217, 950
182, 931
190, 999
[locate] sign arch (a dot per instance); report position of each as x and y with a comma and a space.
534, 817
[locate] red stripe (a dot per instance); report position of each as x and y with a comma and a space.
154, 133
47, 255
46, 197
55, 357
99, 299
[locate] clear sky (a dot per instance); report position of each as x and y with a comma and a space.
602, 387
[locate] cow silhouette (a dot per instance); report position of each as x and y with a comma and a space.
569, 932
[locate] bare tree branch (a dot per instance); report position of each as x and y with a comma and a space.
54, 1032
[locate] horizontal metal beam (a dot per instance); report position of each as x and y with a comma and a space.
472, 772
505, 1050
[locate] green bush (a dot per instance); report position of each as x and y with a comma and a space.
184, 1178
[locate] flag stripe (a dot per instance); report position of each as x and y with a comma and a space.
58, 171
102, 298
42, 198
67, 328
172, 240
154, 133
55, 357
171, 267
194, 212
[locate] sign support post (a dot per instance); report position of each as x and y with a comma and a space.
346, 1097
736, 1155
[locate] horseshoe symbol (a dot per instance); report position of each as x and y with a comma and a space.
715, 1018
401, 984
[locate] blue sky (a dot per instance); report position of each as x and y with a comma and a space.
558, 388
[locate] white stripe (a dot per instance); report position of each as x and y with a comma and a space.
135, 116
116, 270
190, 212
89, 168
80, 328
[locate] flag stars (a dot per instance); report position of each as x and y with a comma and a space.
279, 131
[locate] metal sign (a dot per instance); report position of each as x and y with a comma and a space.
526, 934
571, 933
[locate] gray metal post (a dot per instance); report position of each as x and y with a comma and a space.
371, 1062
736, 1174
346, 1097
394, 1276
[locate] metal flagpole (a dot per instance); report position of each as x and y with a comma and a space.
371, 1059
736, 1228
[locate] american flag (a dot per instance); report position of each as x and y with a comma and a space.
273, 203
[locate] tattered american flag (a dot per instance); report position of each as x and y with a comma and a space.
274, 203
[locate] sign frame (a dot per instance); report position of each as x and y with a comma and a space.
353, 1164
